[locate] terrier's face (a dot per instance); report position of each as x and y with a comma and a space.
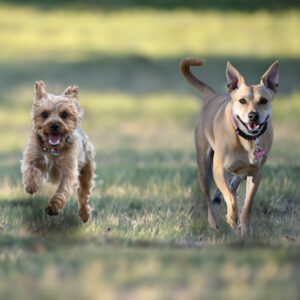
252, 105
55, 117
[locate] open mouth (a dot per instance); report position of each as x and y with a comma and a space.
54, 139
253, 128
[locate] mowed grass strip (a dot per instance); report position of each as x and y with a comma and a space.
71, 269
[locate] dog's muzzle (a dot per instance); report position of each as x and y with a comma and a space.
252, 127
258, 130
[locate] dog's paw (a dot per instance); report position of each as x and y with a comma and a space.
212, 222
84, 213
31, 188
232, 221
31, 179
51, 210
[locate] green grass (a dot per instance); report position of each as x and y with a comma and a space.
148, 237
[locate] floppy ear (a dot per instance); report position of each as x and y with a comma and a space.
71, 91
40, 90
270, 78
234, 78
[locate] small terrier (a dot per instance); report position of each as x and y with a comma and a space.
233, 137
58, 150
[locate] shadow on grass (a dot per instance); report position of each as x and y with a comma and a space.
246, 5
36, 221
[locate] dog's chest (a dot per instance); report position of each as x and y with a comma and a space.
53, 169
242, 163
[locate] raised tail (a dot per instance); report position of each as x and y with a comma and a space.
204, 89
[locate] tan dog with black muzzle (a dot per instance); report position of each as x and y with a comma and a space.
233, 137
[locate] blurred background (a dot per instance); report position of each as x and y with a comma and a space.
148, 237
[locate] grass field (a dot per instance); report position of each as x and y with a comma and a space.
148, 237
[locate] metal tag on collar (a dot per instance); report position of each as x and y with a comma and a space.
259, 150
51, 151
257, 146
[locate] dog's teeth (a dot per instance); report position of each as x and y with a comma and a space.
54, 139
252, 126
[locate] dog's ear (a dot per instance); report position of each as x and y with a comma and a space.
270, 78
234, 78
71, 91
40, 90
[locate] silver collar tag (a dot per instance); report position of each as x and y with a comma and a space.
51, 151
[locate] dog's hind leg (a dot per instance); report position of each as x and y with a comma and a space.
86, 184
205, 178
217, 197
234, 185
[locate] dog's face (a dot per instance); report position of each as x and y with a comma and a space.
252, 105
55, 117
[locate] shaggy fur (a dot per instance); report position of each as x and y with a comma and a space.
58, 150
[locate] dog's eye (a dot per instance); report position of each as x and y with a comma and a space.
263, 101
64, 115
243, 101
44, 115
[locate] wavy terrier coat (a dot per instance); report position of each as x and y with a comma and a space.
58, 150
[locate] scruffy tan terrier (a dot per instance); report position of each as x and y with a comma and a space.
58, 150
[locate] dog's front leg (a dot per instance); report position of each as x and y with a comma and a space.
229, 197
32, 169
31, 178
251, 189
65, 188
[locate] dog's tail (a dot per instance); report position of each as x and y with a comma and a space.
204, 89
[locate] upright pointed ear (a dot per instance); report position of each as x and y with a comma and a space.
40, 90
71, 91
234, 78
271, 77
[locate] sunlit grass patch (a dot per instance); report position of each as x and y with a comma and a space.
139, 113
74, 35
287, 109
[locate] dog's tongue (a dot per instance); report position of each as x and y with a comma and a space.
54, 139
253, 126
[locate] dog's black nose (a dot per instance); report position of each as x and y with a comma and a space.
54, 126
253, 116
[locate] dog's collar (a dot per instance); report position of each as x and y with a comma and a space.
246, 136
